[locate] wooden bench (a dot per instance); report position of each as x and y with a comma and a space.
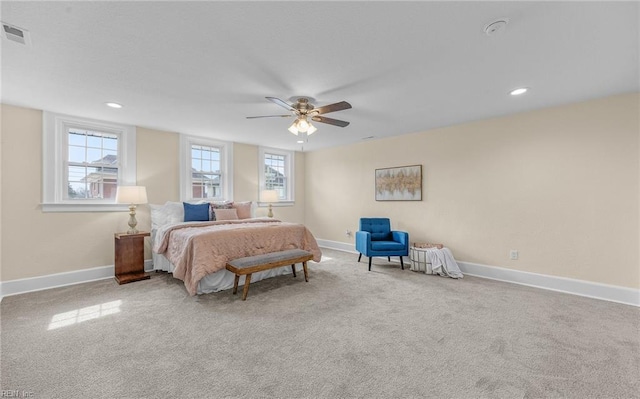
257, 263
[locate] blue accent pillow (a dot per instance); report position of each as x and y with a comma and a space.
196, 212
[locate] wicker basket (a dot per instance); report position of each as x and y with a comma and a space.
418, 256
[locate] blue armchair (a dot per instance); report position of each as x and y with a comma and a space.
375, 238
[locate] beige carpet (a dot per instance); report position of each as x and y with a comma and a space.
346, 333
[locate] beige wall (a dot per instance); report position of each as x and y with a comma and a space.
560, 185
38, 244
157, 159
246, 183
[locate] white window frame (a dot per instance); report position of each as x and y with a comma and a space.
54, 159
289, 168
226, 167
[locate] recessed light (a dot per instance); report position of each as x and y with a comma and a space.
114, 105
518, 91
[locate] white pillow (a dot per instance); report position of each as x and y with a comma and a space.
158, 216
174, 212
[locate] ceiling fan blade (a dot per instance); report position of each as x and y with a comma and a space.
330, 121
281, 103
270, 116
332, 107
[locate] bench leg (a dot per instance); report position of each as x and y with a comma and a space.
245, 291
306, 273
293, 268
235, 284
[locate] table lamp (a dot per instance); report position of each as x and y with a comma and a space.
269, 196
132, 195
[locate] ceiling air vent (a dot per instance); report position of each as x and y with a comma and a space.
15, 34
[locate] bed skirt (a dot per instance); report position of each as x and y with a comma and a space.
222, 279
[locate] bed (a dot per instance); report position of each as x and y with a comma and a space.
197, 252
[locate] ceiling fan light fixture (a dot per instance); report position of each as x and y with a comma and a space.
294, 127
304, 111
311, 129
303, 125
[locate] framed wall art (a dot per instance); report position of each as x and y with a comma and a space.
403, 183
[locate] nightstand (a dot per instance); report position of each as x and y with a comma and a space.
129, 263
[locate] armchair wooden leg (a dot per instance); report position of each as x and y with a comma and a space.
359, 257
370, 263
401, 263
389, 258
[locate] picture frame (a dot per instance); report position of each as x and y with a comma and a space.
401, 183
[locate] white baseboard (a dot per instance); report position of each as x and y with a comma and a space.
624, 295
613, 293
340, 246
24, 285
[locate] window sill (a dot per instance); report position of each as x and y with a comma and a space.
276, 204
75, 207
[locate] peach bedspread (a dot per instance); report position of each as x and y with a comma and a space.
200, 248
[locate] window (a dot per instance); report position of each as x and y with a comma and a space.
205, 172
84, 161
276, 172
205, 169
92, 167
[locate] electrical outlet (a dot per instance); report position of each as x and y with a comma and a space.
513, 254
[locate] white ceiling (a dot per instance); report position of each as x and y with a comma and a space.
201, 67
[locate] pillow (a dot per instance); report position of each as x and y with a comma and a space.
243, 209
158, 216
196, 212
174, 212
169, 213
220, 205
226, 214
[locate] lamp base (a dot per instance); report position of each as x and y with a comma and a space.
132, 220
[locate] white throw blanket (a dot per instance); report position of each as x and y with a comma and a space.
443, 263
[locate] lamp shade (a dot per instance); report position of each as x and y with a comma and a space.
311, 129
269, 196
131, 195
294, 127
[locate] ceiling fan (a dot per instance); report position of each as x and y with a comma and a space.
302, 109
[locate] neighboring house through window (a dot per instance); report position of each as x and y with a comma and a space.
205, 170
276, 172
92, 167
84, 161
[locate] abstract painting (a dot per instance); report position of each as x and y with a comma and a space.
402, 183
